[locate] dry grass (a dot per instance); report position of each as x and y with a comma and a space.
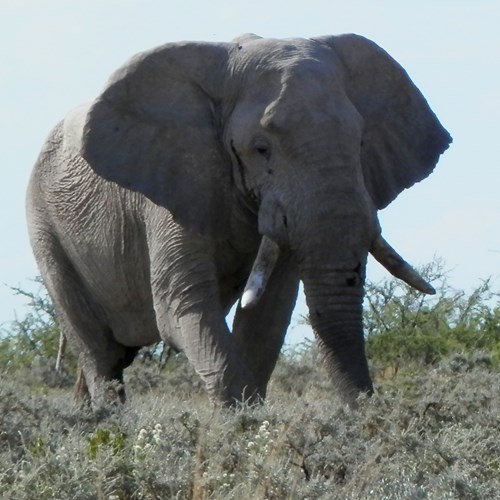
427, 433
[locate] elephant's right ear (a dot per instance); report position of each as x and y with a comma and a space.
154, 130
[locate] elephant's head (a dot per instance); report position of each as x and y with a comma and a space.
314, 136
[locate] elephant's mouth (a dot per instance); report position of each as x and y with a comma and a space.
381, 250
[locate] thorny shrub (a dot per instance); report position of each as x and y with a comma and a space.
403, 325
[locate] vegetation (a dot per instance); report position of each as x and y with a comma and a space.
430, 431
37, 335
403, 326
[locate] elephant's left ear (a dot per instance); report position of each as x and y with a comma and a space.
402, 137
155, 130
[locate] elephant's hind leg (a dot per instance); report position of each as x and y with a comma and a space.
100, 357
81, 390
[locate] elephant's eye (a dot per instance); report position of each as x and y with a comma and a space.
263, 149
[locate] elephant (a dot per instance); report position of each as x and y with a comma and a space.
212, 174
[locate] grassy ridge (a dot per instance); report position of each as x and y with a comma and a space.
431, 430
427, 433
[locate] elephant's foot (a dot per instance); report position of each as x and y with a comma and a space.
232, 393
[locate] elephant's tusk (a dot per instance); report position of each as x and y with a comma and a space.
398, 267
261, 271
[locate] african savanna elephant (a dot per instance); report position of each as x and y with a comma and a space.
149, 207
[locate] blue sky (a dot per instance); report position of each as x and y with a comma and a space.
57, 54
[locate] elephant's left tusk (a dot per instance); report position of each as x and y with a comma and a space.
398, 267
261, 271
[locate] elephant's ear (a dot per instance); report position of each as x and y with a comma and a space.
402, 138
154, 130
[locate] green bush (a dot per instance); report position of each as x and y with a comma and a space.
401, 325
404, 325
35, 338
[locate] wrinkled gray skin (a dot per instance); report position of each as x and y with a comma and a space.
146, 207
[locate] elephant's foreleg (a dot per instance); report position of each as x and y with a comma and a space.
215, 356
190, 316
260, 331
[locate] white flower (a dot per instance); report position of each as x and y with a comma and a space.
143, 434
157, 437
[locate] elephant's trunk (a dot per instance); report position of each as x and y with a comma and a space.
334, 298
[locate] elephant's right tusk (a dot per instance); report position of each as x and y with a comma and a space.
261, 271
398, 267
